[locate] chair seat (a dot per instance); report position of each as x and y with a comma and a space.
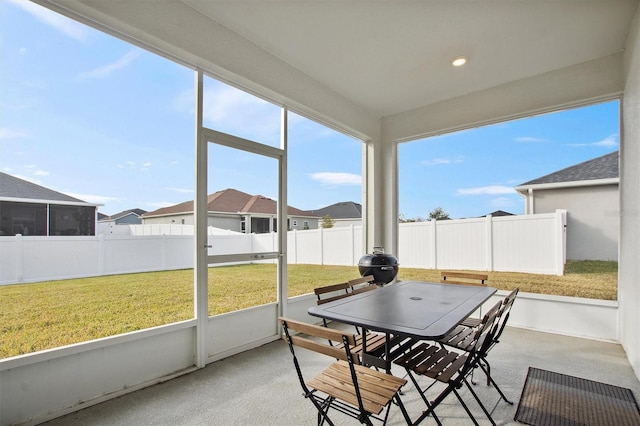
460, 337
432, 361
374, 341
376, 388
471, 322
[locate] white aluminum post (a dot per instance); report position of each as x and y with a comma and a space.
200, 277
283, 228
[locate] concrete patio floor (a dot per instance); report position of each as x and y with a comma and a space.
260, 387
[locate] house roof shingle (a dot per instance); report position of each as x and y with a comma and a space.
604, 167
13, 187
343, 210
230, 201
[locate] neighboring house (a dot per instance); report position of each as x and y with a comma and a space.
499, 213
589, 193
237, 211
29, 209
343, 214
127, 217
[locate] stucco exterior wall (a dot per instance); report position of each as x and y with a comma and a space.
224, 222
592, 219
177, 219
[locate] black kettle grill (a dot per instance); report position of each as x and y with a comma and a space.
383, 267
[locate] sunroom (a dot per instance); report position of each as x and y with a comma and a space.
381, 73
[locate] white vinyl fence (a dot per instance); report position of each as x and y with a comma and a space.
531, 243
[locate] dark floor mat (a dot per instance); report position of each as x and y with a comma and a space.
550, 398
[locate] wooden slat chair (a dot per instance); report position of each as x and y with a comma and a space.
460, 338
362, 284
339, 291
345, 386
449, 367
465, 278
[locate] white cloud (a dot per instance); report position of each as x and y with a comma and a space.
438, 161
233, 111
7, 133
132, 165
41, 173
487, 190
91, 198
180, 190
529, 139
331, 178
60, 23
118, 64
610, 141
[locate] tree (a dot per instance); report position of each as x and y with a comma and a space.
404, 219
327, 222
438, 214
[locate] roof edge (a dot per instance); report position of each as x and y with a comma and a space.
43, 201
572, 184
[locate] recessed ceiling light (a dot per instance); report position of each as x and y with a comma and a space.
459, 61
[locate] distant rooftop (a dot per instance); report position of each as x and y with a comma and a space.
13, 187
343, 210
605, 167
137, 212
230, 201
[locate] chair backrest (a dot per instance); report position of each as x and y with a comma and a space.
318, 339
480, 340
503, 315
464, 278
333, 289
320, 345
483, 336
362, 284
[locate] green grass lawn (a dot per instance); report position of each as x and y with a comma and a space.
45, 315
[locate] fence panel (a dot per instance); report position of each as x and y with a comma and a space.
10, 259
124, 254
309, 247
531, 243
461, 244
526, 244
50, 258
337, 246
416, 245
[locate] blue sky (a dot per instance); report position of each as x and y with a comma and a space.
94, 117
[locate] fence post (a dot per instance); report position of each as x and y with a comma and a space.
489, 243
293, 248
353, 245
20, 262
101, 255
321, 234
434, 244
164, 251
560, 239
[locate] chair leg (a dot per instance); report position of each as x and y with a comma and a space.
475, 396
473, 419
422, 393
402, 409
490, 381
323, 410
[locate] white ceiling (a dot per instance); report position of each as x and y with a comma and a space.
394, 56
385, 57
